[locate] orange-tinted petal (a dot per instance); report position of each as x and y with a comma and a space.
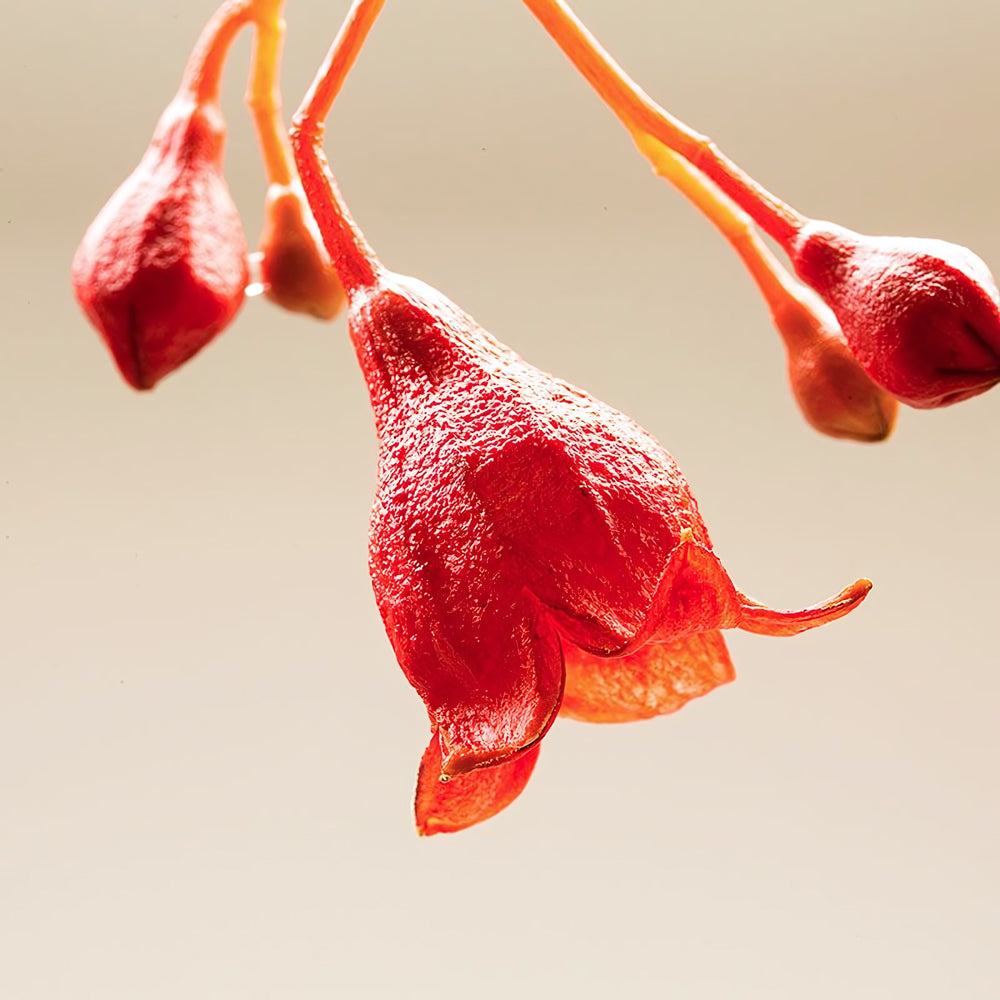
657, 679
766, 621
450, 806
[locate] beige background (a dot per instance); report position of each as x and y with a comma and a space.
206, 749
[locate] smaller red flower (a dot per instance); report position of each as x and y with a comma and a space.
922, 316
163, 268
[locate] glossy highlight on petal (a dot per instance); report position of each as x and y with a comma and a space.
657, 679
461, 802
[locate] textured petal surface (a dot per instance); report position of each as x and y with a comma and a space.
449, 806
162, 269
922, 316
604, 526
657, 679
766, 621
475, 644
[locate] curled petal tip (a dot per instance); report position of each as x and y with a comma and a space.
766, 621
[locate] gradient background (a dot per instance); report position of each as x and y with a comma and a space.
207, 751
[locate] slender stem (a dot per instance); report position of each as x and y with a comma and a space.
353, 259
203, 72
263, 95
781, 291
636, 109
323, 92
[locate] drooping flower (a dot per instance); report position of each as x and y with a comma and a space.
922, 316
530, 547
163, 268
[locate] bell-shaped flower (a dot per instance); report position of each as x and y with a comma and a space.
531, 547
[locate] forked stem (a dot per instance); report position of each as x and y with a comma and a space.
203, 71
353, 259
635, 109
779, 288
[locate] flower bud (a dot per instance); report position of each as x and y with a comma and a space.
163, 267
295, 269
829, 385
921, 316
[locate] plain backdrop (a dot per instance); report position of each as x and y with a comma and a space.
207, 750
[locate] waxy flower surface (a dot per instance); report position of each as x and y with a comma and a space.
531, 548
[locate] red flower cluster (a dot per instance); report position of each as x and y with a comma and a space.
533, 551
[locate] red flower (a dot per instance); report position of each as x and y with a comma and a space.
922, 316
163, 267
530, 548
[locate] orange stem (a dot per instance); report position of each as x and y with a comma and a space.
355, 262
781, 291
263, 96
203, 71
635, 109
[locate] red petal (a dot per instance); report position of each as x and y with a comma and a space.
508, 703
600, 518
450, 806
482, 655
766, 621
657, 679
694, 595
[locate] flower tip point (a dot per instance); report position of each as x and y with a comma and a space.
762, 620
